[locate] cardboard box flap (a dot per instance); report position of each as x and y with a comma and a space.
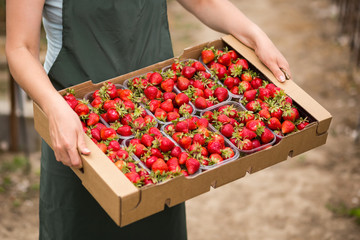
290, 87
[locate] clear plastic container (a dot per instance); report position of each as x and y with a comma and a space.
207, 70
233, 96
88, 96
227, 144
240, 107
127, 142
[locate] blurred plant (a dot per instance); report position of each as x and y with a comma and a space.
341, 210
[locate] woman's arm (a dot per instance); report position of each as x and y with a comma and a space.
223, 16
23, 25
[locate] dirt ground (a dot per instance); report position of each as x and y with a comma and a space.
302, 198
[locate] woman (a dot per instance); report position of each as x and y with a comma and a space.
98, 40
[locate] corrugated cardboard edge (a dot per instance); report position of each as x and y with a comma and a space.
294, 91
114, 192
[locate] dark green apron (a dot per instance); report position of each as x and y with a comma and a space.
101, 40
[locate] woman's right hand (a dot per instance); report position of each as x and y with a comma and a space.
67, 136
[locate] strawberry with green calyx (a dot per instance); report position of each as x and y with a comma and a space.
235, 70
113, 145
160, 114
253, 106
167, 105
192, 165
224, 58
188, 72
151, 92
156, 152
264, 93
147, 140
173, 165
266, 136
247, 76
227, 153
291, 114
108, 133
176, 151
208, 55
301, 123
264, 114
287, 127
257, 83
181, 99
185, 141
155, 78
185, 110
274, 123
201, 103
82, 108
159, 166
182, 83
215, 158
202, 122
123, 130
125, 94
244, 86
208, 115
97, 102
214, 146
227, 130
171, 116
242, 62
198, 66
168, 85
92, 119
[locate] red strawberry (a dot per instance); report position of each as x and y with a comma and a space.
151, 92
247, 76
223, 119
247, 134
133, 177
135, 141
198, 66
166, 144
182, 83
227, 153
93, 119
169, 95
139, 150
156, 152
95, 133
234, 56
114, 145
171, 116
112, 115
287, 127
175, 152
155, 78
202, 122
208, 92
192, 165
167, 105
255, 143
253, 106
207, 56
256, 82
124, 130
150, 161
200, 103
159, 165
182, 126
168, 85
244, 86
188, 72
253, 125
291, 114
96, 103
245, 144
214, 147
264, 93
227, 130
146, 140
221, 94
107, 133
183, 157
185, 142
208, 115
122, 154
173, 165
264, 113
127, 119
220, 70
229, 82
267, 136
225, 59
199, 138
243, 63
82, 109
215, 158
102, 147
199, 84
181, 98
160, 114
191, 124
274, 123
154, 104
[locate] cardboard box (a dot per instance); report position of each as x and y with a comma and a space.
126, 204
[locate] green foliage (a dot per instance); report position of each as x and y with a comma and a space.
341, 210
18, 162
